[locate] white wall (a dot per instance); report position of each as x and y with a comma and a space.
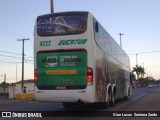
29, 88
11, 91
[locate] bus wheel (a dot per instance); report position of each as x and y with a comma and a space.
113, 98
125, 98
128, 94
109, 97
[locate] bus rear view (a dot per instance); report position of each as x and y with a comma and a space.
75, 60
60, 50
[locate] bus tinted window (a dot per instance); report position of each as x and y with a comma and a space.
61, 25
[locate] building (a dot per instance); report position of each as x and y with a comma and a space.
2, 89
15, 90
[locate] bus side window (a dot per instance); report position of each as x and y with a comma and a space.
96, 27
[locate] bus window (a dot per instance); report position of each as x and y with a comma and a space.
61, 25
96, 27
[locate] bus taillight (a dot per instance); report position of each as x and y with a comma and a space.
89, 76
35, 76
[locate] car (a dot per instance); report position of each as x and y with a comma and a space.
150, 85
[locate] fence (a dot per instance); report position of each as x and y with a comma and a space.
4, 96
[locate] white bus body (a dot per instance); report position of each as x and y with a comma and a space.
76, 60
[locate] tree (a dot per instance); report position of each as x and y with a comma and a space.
136, 69
139, 71
2, 84
142, 72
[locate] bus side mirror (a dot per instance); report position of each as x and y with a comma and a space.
96, 27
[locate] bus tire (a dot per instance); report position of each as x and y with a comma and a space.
125, 98
110, 97
128, 94
113, 98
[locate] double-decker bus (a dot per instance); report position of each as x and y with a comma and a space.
77, 61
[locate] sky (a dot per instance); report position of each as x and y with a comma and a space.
137, 19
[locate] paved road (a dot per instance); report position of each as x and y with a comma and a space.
27, 105
142, 99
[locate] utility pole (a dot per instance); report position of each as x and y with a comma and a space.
16, 73
4, 84
136, 59
52, 6
22, 60
120, 34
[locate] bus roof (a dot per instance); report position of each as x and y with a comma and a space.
69, 12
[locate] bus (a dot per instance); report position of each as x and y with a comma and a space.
77, 61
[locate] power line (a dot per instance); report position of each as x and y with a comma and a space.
15, 53
10, 62
28, 56
15, 62
11, 56
26, 60
144, 52
10, 53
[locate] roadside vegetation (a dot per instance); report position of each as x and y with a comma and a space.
139, 71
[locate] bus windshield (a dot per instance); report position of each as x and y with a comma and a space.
61, 24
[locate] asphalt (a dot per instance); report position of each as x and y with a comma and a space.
145, 102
